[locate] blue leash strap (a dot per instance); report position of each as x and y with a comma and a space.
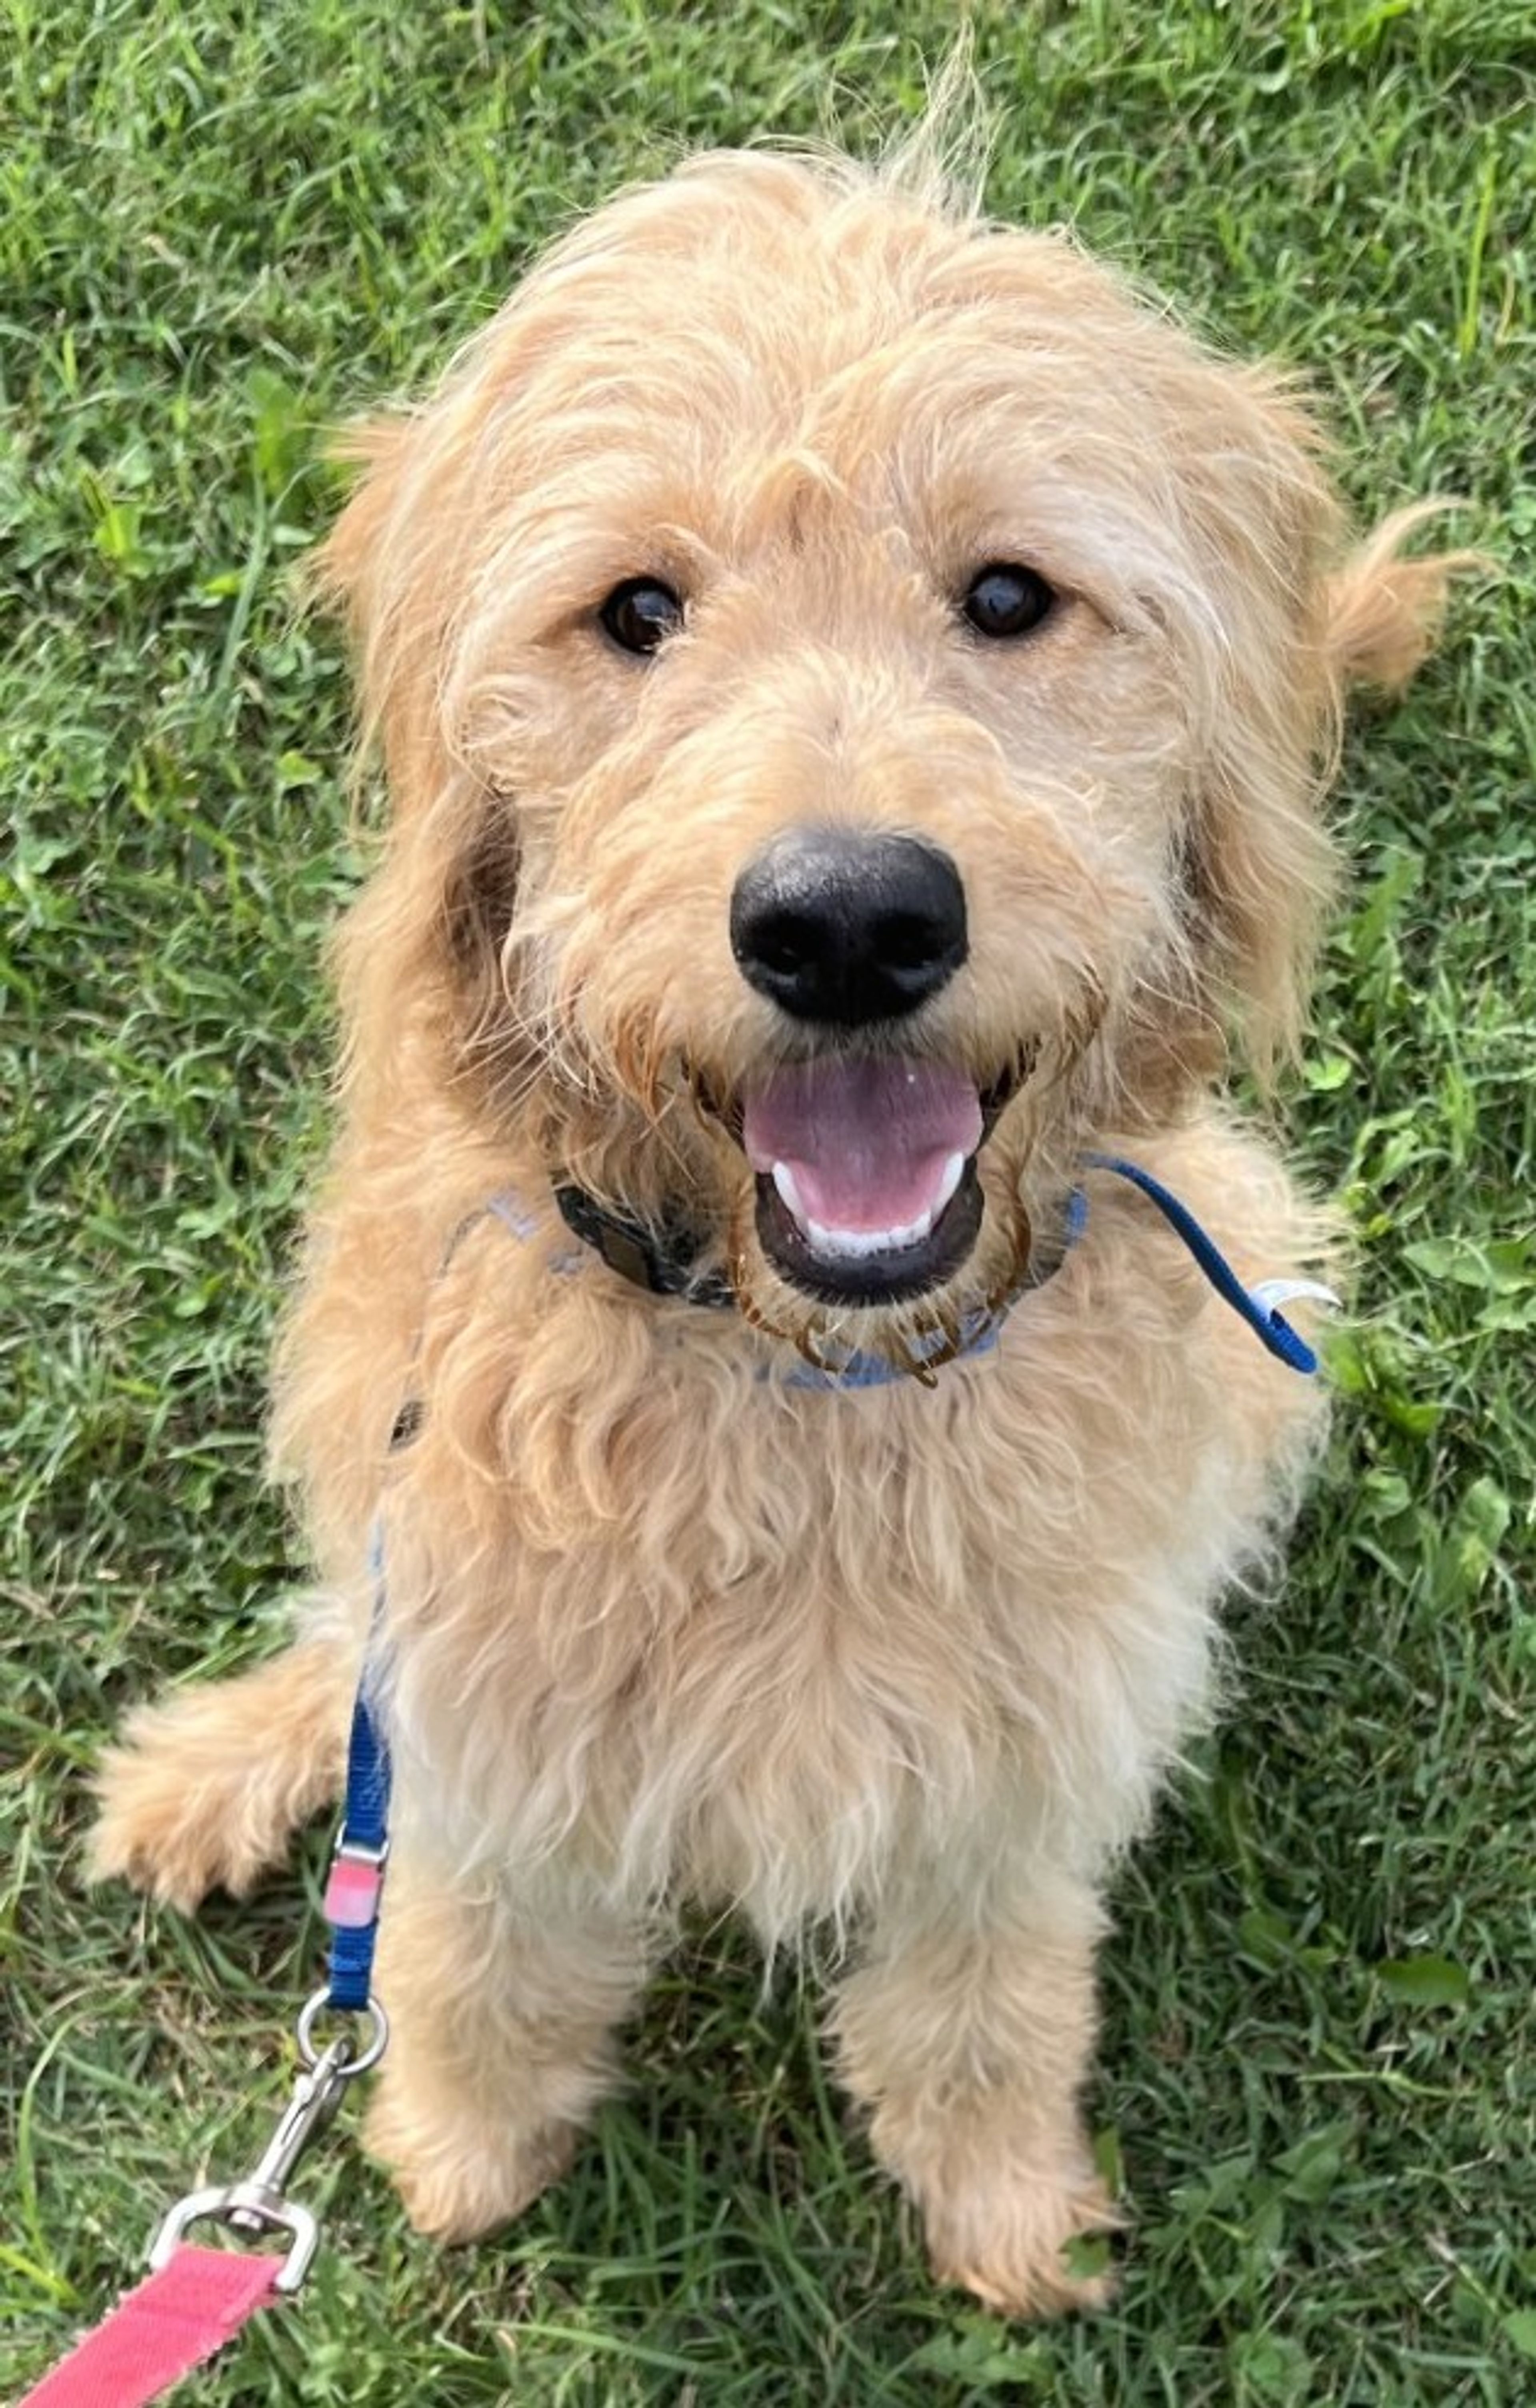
355, 1883
1259, 1305
260, 2203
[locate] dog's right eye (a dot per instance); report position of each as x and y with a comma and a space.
639, 614
1006, 599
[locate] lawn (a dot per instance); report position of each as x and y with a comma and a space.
224, 226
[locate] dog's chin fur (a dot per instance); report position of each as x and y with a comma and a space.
664, 1624
672, 1157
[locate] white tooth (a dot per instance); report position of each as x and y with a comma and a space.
849, 1244
783, 1178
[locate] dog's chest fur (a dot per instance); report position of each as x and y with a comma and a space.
728, 1638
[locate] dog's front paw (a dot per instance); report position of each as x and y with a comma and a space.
1009, 2240
174, 1835
460, 2179
209, 1786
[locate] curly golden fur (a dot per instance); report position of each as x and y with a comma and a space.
664, 1624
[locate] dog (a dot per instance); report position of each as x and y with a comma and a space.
855, 690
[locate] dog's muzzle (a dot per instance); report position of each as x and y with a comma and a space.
867, 1187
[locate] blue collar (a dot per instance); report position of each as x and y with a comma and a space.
662, 1262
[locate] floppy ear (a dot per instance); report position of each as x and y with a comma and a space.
1383, 611
427, 935
374, 570
1294, 631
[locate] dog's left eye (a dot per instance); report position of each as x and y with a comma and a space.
1006, 599
639, 614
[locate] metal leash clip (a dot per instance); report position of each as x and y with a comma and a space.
258, 2204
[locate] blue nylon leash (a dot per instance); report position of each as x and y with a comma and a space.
355, 1889
1258, 1307
261, 2204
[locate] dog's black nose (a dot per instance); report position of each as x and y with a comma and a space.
836, 925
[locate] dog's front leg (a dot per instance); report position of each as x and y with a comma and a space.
206, 1787
502, 2013
967, 2031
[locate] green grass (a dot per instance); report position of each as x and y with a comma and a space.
224, 225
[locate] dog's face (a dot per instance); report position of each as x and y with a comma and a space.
852, 689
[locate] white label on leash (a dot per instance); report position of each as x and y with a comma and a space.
1271, 1293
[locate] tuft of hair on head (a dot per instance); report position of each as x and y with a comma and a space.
1384, 607
940, 163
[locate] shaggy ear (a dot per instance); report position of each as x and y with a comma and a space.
369, 571
431, 926
1383, 611
1295, 632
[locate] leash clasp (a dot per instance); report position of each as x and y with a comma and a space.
259, 2204
255, 2208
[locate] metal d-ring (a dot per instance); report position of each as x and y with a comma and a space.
314, 2006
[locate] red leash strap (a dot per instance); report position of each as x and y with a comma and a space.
196, 2303
197, 2300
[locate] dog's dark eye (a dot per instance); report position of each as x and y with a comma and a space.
641, 613
1006, 599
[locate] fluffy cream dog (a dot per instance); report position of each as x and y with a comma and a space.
856, 691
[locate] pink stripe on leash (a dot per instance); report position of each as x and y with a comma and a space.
352, 1895
160, 2332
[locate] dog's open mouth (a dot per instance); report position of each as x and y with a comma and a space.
867, 1187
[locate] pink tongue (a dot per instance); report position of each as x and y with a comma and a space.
866, 1142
